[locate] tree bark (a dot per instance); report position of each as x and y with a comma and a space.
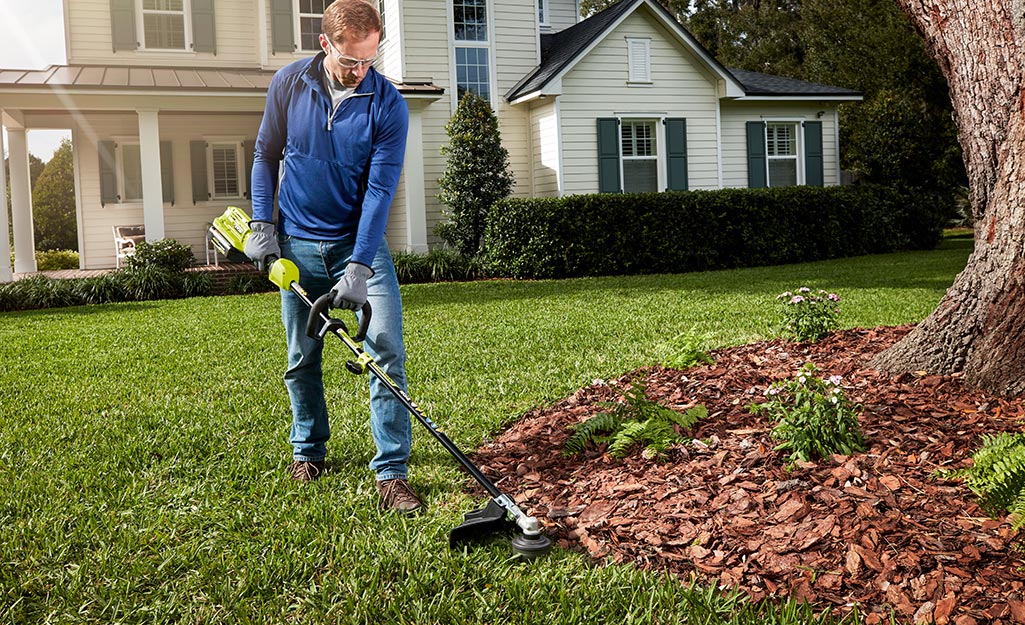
978, 329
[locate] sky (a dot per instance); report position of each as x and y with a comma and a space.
32, 37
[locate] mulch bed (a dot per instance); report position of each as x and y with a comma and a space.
877, 529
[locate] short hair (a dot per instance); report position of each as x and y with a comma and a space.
357, 18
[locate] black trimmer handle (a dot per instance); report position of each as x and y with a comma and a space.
318, 313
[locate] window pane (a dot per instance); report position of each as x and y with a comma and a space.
225, 164
781, 139
638, 139
472, 72
162, 5
470, 20
640, 176
164, 31
782, 172
309, 33
628, 139
131, 160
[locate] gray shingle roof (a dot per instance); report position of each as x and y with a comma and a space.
756, 83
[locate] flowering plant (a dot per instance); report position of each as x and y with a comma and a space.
809, 316
813, 416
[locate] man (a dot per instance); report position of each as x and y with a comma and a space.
339, 129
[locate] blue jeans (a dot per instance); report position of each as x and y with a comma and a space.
321, 264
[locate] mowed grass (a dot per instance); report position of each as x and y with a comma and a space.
143, 448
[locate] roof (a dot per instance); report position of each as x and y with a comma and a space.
561, 50
756, 83
144, 78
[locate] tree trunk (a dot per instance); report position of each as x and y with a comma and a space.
978, 328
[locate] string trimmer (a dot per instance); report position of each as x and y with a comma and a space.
230, 231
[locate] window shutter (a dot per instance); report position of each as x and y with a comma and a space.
122, 25
247, 151
813, 165
608, 155
639, 59
676, 154
108, 173
200, 189
756, 161
282, 33
204, 32
167, 171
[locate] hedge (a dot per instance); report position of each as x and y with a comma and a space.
675, 232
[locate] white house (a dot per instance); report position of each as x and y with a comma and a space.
164, 99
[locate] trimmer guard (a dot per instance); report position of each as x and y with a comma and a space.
481, 523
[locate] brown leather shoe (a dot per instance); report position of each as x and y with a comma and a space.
398, 495
306, 471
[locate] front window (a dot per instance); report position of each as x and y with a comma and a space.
163, 24
639, 152
542, 12
224, 172
781, 150
311, 14
472, 55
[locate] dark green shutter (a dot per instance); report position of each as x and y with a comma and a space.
608, 155
282, 33
108, 173
756, 163
247, 150
122, 25
813, 166
676, 154
204, 32
167, 171
200, 190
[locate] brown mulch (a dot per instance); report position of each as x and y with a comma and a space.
877, 529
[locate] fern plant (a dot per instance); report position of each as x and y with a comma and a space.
639, 421
997, 476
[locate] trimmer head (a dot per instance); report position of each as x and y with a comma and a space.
491, 520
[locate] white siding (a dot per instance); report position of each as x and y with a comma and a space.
184, 221
561, 15
90, 38
597, 87
734, 134
544, 131
516, 45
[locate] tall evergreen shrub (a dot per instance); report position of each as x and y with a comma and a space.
477, 174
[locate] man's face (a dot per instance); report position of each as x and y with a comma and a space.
348, 61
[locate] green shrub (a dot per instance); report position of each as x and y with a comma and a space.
476, 174
808, 316
166, 254
438, 265
638, 421
99, 289
673, 232
54, 260
813, 417
997, 476
37, 291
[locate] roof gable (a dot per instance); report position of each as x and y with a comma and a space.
561, 51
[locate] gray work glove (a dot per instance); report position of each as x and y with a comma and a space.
262, 243
351, 291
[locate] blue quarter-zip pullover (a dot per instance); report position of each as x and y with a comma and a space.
341, 170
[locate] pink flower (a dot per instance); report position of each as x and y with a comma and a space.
797, 299
833, 297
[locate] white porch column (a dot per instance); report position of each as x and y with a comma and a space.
416, 204
152, 189
21, 202
6, 275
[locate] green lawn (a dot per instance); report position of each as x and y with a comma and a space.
143, 448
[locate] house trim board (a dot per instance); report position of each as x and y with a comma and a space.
6, 275
76, 156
